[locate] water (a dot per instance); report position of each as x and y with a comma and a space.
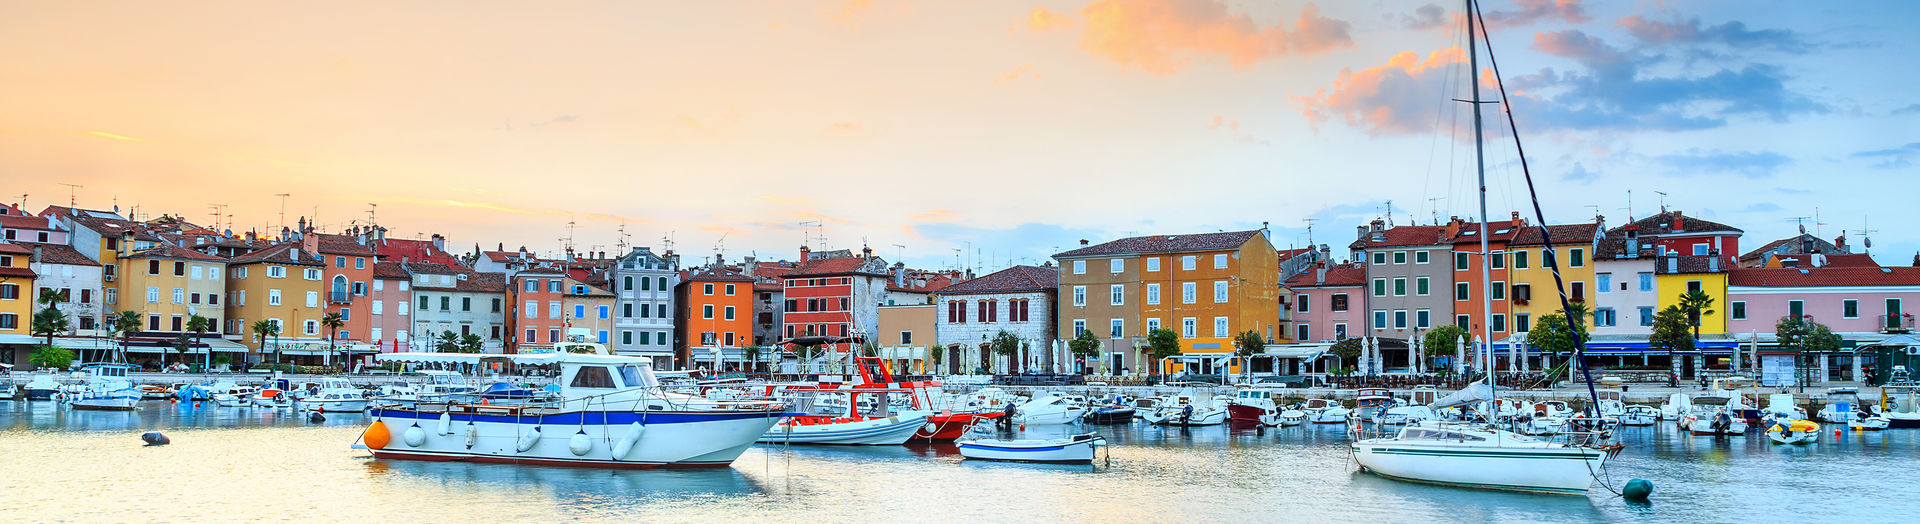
231, 464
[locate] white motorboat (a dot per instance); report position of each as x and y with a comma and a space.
1401, 415
105, 387
849, 415
1050, 409
1676, 406
332, 395
1077, 449
1293, 417
1705, 420
271, 397
1186, 412
1370, 403
1252, 406
1639, 416
1479, 456
1323, 411
234, 396
1901, 405
1794, 432
42, 386
1870, 423
611, 413
1780, 406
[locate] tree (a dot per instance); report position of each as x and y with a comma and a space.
449, 342
1162, 343
935, 357
869, 349
1084, 347
199, 326
267, 328
49, 357
1443, 340
1671, 331
472, 343
1697, 304
333, 321
181, 343
1347, 348
124, 323
1247, 344
1553, 336
51, 320
1805, 335
1008, 345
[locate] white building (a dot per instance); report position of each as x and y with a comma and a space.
643, 283
1018, 300
62, 268
453, 299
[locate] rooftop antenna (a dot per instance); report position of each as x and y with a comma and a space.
1596, 209
1816, 221
1866, 230
899, 253
1800, 221
1663, 201
1433, 205
72, 191
568, 242
956, 258
720, 246
371, 215
1310, 222
1389, 213
1629, 205
217, 208
283, 208
620, 246
806, 232
666, 241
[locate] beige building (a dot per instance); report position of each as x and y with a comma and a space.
280, 284
904, 335
167, 285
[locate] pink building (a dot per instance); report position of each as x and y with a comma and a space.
1329, 303
391, 307
1845, 299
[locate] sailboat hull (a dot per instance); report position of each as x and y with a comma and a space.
1567, 470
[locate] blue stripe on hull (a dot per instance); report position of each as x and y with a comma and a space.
610, 418
1013, 450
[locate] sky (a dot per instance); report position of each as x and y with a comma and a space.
956, 134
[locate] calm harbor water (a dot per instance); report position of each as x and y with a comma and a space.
237, 464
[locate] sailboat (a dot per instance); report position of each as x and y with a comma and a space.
1482, 455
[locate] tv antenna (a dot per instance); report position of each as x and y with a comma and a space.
1816, 221
1663, 200
1433, 205
1800, 221
72, 192
900, 253
217, 208
283, 208
806, 232
620, 246
1866, 230
720, 246
371, 209
1310, 222
1389, 213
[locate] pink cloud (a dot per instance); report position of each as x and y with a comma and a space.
1164, 36
1041, 20
1395, 98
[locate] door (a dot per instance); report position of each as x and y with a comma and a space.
1893, 313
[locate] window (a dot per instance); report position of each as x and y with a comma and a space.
1796, 308
359, 289
1339, 302
1577, 290
1153, 294
1079, 326
1187, 292
340, 262
662, 310
1187, 262
553, 309
1461, 290
1220, 327
1423, 319
179, 269
1522, 322
1520, 262
153, 268
1301, 333
590, 376
706, 311
532, 309
730, 289
579, 311
553, 286
728, 313
626, 337
1220, 261
1699, 249
706, 289
1116, 265
1499, 290
1646, 313
1340, 331
1187, 327
310, 327
1379, 320
446, 304
496, 305
1420, 257
1153, 323
466, 303
1577, 257
1119, 294
1153, 263
604, 311
1421, 286
662, 281
1603, 282
1499, 322
1079, 267
313, 299
1460, 261
1301, 300
1400, 286
1219, 291
1080, 295
423, 302
1379, 287
1400, 319
1646, 282
1379, 258
9, 320
378, 307
278, 272
532, 285
179, 295
1850, 308
1693, 285
1604, 317
1399, 257
1499, 259
1464, 321
1116, 328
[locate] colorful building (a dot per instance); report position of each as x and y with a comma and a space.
390, 312
281, 284
1329, 303
1018, 300
1470, 288
1861, 304
456, 300
905, 333
59, 267
16, 303
1531, 289
836, 297
1206, 287
349, 277
534, 316
717, 316
1408, 264
167, 285
589, 311
1671, 232
1624, 282
642, 282
1676, 275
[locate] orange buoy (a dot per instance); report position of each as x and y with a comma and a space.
377, 435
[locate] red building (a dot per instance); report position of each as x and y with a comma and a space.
834, 297
1673, 232
349, 278
535, 316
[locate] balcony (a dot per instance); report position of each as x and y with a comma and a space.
339, 297
1896, 323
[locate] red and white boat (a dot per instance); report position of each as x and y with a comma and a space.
866, 412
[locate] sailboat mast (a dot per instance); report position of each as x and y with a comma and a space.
1480, 167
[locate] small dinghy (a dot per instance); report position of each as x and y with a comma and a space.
1794, 432
1077, 449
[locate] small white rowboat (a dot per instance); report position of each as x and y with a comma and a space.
1077, 449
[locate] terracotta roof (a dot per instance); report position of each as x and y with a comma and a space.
278, 254
1825, 276
1686, 264
1165, 244
718, 274
477, 282
165, 250
9, 247
1662, 224
1791, 245
390, 271
59, 254
540, 271
1563, 234
841, 266
1404, 236
17, 272
413, 250
1342, 275
924, 282
1470, 232
25, 222
341, 245
1016, 278
1285, 254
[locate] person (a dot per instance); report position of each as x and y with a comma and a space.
1186, 414
1006, 417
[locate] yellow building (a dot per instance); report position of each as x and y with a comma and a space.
16, 299
1676, 275
280, 284
1206, 287
168, 284
1532, 294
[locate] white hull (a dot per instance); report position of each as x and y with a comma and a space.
1201, 417
1636, 420
105, 404
334, 406
1331, 416
667, 438
1804, 437
1070, 450
891, 431
231, 401
1529, 468
1067, 416
1292, 417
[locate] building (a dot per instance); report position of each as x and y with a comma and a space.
19, 226
589, 311
1862, 304
1674, 233
770, 294
534, 316
1802, 244
16, 303
457, 301
349, 277
1329, 302
905, 333
1624, 283
1533, 292
1470, 288
167, 285
837, 297
390, 310
59, 267
1018, 300
1407, 265
433, 250
643, 283
281, 284
1206, 287
1676, 275
717, 312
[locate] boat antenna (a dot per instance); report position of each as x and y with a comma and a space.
1552, 262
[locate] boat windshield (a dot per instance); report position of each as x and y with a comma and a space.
1438, 434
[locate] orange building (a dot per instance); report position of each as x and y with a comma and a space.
348, 279
1468, 285
717, 317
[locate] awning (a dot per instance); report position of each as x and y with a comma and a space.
86, 343
1617, 345
1302, 351
20, 339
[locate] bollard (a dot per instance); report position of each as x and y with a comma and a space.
155, 438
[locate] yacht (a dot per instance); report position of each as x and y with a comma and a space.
1900, 405
105, 387
332, 395
1323, 411
1051, 409
42, 386
1639, 415
1252, 406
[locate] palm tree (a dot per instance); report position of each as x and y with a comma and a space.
45, 322
125, 323
1697, 304
267, 328
333, 321
200, 325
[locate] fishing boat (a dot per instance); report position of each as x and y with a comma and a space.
1253, 406
1639, 416
1186, 410
1794, 432
155, 392
1870, 423
104, 387
234, 396
1077, 449
332, 395
272, 397
837, 417
610, 412
1369, 403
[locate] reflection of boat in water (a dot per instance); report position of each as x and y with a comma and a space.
612, 414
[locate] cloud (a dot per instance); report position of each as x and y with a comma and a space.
1531, 11
1221, 122
1040, 20
1892, 158
1752, 164
850, 13
1426, 17
1911, 108
1762, 207
1616, 91
1164, 36
1578, 46
1015, 74
844, 127
104, 134
1732, 34
1580, 174
1396, 98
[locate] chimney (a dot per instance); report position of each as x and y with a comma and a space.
1840, 243
1678, 225
293, 253
36, 252
866, 252
1713, 264
439, 243
899, 274
718, 261
1083, 241
806, 254
1361, 231
1673, 264
1320, 273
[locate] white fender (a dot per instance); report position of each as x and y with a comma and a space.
473, 434
415, 436
528, 439
446, 424
580, 444
625, 445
